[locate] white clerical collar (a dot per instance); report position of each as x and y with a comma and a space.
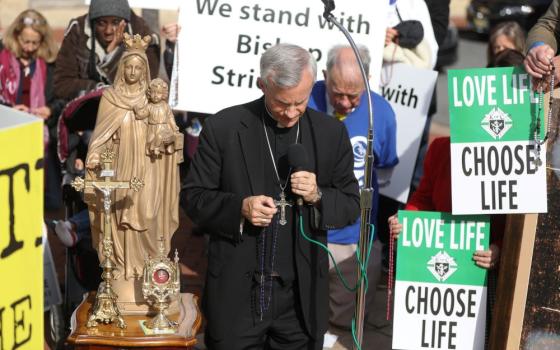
278, 125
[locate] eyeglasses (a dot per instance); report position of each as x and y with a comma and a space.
28, 21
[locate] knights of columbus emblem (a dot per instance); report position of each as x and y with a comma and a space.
442, 266
496, 123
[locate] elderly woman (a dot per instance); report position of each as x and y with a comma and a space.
25, 65
26, 70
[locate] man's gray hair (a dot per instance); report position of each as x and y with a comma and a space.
333, 56
283, 65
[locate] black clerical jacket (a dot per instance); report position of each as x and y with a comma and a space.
228, 167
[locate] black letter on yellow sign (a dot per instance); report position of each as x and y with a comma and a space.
1, 330
39, 165
20, 322
14, 244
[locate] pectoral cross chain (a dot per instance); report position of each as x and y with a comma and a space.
282, 204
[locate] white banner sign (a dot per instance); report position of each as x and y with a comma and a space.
410, 99
221, 43
151, 4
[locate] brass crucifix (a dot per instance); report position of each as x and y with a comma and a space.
282, 204
105, 309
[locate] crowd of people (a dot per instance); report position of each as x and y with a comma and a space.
274, 289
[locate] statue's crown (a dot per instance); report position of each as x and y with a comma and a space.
136, 42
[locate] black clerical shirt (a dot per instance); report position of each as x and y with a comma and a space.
280, 139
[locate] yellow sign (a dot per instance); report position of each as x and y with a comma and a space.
21, 222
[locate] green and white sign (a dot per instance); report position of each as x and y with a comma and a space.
440, 294
495, 165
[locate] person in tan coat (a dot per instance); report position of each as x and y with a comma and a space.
542, 44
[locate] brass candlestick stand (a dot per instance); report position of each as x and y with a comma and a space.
105, 309
161, 284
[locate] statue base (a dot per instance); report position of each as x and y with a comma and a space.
131, 301
109, 336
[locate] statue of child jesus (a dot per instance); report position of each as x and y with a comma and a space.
161, 123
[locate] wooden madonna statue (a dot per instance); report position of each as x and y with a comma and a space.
131, 115
132, 191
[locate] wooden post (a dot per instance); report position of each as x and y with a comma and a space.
530, 261
513, 282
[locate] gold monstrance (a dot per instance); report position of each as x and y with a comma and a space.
105, 309
161, 285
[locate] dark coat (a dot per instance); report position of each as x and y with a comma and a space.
439, 14
71, 75
546, 28
228, 167
55, 104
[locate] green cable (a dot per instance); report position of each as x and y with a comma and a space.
363, 275
363, 269
354, 338
358, 347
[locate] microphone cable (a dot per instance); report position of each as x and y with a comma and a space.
362, 264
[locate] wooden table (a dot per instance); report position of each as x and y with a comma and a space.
106, 337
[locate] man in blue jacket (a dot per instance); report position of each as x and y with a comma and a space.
342, 95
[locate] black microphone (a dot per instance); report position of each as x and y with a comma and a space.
298, 161
329, 6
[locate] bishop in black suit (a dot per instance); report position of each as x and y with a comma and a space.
267, 284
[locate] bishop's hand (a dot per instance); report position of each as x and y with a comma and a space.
304, 184
259, 210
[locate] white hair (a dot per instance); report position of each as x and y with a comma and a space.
283, 65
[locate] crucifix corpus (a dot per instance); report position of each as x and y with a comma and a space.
282, 204
105, 309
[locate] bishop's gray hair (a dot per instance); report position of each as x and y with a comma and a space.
333, 56
283, 64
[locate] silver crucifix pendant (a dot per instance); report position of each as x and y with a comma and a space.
282, 204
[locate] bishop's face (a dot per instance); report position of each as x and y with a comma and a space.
133, 69
287, 105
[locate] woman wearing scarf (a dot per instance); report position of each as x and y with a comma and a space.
26, 71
